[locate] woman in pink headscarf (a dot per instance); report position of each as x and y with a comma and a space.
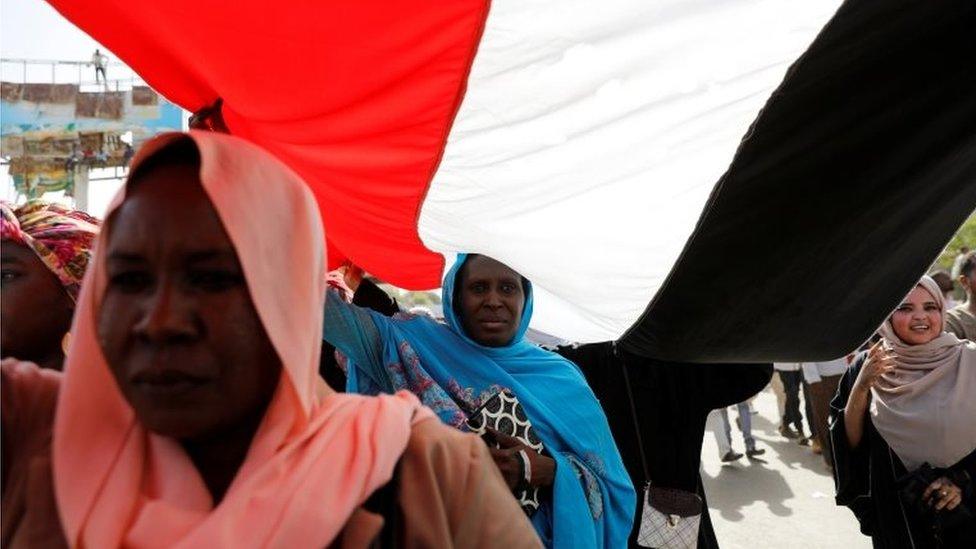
191, 413
903, 430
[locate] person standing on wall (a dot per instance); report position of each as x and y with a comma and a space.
100, 60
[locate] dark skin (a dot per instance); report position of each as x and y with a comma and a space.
491, 299
507, 460
178, 327
35, 308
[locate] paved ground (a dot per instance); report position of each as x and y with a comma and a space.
783, 500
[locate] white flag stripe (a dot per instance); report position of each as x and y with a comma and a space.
591, 135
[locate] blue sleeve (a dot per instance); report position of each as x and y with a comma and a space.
353, 331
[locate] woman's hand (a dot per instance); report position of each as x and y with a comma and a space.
942, 494
352, 275
542, 469
878, 363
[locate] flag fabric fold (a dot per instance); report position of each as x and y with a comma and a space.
587, 145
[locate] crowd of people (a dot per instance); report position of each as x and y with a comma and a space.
197, 379
816, 382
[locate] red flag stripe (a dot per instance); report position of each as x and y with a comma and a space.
358, 97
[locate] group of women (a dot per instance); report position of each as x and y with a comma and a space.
191, 410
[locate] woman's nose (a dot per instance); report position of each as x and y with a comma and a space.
165, 317
493, 300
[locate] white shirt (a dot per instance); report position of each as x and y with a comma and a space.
813, 372
786, 366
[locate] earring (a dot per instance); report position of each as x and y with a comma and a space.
66, 343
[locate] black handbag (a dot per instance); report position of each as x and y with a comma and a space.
504, 413
911, 488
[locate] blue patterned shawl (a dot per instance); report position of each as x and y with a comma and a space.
592, 500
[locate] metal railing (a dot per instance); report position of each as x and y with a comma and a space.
126, 82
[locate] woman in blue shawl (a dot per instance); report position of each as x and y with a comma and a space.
481, 351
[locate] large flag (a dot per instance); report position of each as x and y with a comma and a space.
588, 145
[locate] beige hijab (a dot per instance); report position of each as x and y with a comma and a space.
925, 409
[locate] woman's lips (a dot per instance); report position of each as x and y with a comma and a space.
493, 323
167, 382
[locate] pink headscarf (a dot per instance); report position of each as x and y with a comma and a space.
925, 409
316, 456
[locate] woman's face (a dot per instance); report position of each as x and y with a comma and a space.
177, 324
35, 308
491, 301
919, 318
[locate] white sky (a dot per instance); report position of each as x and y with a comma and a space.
32, 29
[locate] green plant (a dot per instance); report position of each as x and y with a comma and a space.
965, 236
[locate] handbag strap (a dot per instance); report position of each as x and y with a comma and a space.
633, 415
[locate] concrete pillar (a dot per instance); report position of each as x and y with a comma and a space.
81, 187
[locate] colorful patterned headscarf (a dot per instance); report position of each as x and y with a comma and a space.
61, 237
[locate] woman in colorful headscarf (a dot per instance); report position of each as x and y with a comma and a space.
903, 430
586, 497
191, 413
45, 250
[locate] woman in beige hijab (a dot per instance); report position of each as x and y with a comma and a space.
903, 428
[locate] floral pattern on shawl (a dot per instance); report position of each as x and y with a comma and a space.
587, 471
452, 405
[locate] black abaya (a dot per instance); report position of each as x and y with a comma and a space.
672, 401
865, 480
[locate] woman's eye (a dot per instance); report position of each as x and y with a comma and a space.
9, 275
508, 288
478, 287
215, 280
130, 281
